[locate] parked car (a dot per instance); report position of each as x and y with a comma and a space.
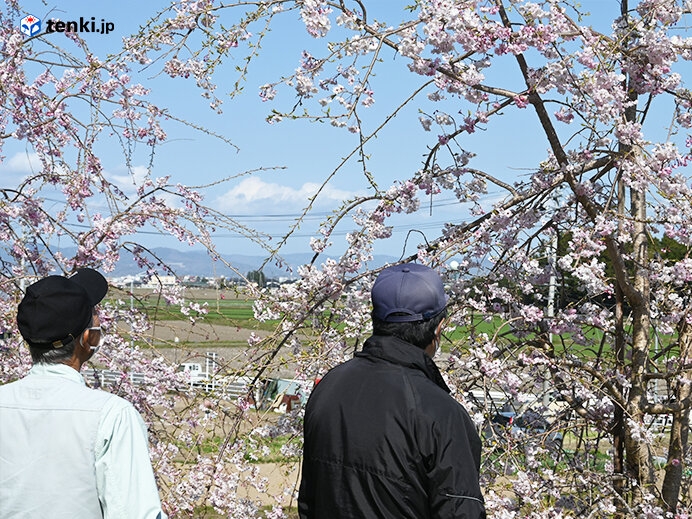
498, 427
506, 426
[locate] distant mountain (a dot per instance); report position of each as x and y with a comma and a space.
199, 263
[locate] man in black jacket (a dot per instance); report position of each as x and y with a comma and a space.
383, 437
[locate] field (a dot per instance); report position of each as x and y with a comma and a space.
230, 320
228, 308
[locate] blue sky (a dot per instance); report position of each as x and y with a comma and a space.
305, 152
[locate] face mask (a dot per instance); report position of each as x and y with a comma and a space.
102, 337
436, 342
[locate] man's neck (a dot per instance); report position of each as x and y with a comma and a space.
74, 363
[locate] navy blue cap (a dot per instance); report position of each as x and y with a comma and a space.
408, 292
56, 309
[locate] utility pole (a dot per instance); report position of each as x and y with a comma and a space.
550, 311
22, 263
22, 280
132, 312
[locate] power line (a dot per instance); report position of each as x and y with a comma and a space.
314, 215
279, 217
397, 229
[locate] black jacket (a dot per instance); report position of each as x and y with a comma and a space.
384, 439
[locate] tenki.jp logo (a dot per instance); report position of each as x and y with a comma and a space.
30, 25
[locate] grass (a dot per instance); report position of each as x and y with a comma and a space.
562, 346
239, 313
553, 459
274, 455
191, 344
597, 462
209, 512
255, 456
228, 312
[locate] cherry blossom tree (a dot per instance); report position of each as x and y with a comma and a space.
563, 298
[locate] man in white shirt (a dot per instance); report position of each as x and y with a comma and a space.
67, 451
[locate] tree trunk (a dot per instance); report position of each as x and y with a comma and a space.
639, 458
679, 433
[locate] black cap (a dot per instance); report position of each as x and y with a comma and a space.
408, 292
56, 309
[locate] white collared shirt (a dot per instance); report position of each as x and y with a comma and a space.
68, 451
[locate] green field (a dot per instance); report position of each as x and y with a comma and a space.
239, 313
255, 455
228, 312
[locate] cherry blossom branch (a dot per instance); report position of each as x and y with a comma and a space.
628, 288
343, 162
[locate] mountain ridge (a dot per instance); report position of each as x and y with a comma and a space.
200, 263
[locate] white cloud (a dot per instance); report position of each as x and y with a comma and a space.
18, 168
129, 181
254, 193
22, 162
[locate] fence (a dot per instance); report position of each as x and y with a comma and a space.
229, 387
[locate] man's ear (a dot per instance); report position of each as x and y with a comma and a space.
82, 351
83, 341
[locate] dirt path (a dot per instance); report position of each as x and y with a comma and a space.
183, 331
195, 342
281, 480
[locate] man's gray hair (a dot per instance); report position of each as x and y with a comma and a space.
54, 355
418, 333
